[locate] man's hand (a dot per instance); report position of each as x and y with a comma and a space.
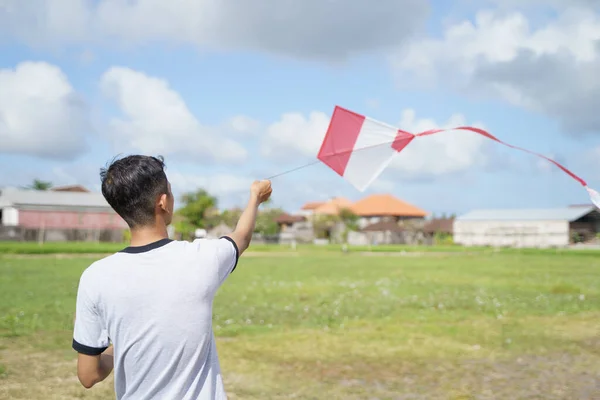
261, 190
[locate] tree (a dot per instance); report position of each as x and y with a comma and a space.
350, 221
197, 207
230, 217
266, 221
39, 185
323, 224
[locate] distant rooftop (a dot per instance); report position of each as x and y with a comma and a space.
439, 225
333, 206
534, 214
70, 188
312, 205
11, 196
386, 205
289, 219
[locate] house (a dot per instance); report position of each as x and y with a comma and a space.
333, 206
220, 230
307, 209
379, 207
55, 215
438, 227
286, 221
553, 227
371, 210
294, 228
381, 232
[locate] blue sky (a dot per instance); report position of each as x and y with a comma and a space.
247, 93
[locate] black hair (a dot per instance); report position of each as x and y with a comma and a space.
132, 185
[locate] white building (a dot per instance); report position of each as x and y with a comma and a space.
556, 227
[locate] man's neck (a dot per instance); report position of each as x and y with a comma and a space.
147, 235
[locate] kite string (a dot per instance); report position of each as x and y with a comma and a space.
293, 169
330, 155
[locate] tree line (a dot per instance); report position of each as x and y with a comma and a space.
199, 209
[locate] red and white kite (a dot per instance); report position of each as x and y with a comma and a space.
359, 148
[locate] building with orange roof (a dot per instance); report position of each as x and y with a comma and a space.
311, 205
308, 209
378, 207
333, 206
386, 205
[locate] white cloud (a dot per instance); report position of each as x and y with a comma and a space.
308, 28
231, 190
554, 4
157, 121
295, 137
243, 125
58, 173
551, 69
217, 184
87, 175
40, 113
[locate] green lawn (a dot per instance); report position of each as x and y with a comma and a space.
87, 248
326, 325
104, 248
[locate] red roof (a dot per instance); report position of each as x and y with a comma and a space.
70, 188
385, 205
439, 225
312, 205
333, 206
289, 219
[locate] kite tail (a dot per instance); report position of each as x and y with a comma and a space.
594, 195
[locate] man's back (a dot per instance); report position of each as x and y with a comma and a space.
154, 302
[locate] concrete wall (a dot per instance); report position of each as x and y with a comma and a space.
512, 233
301, 232
365, 221
10, 216
70, 220
386, 237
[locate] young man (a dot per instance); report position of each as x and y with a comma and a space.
153, 300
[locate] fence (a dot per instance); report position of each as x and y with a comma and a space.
13, 233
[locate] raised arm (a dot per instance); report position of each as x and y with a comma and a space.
260, 191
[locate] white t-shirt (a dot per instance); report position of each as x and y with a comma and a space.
154, 303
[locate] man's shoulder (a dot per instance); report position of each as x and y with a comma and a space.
213, 244
100, 266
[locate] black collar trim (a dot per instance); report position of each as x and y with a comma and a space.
146, 247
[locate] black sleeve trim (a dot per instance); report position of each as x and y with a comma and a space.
237, 250
87, 350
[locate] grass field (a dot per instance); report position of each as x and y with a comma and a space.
320, 324
87, 248
104, 248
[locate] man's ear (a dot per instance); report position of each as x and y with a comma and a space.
163, 203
